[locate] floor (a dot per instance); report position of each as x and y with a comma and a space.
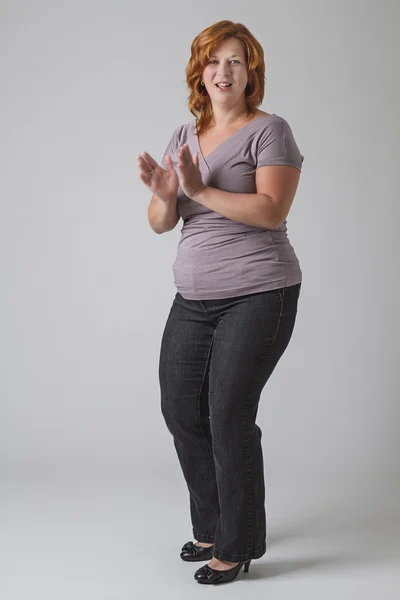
104, 538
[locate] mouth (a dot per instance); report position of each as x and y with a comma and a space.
223, 86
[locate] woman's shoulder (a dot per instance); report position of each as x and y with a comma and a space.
180, 136
271, 127
185, 130
274, 140
267, 121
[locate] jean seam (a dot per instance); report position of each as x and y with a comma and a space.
207, 356
247, 441
282, 297
249, 464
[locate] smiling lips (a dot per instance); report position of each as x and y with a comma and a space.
223, 85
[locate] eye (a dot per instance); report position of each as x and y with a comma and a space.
214, 60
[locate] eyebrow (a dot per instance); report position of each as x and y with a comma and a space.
233, 56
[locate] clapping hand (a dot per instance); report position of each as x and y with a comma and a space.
164, 184
189, 172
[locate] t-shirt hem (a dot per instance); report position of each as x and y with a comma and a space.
279, 161
231, 293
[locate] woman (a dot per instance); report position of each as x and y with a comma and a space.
231, 174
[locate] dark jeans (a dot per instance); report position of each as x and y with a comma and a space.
215, 358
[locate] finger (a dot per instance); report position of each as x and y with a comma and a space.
186, 158
185, 155
182, 164
193, 159
168, 163
144, 165
146, 179
149, 159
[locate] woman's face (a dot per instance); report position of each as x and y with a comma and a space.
227, 65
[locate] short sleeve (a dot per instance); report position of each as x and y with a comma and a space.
172, 147
277, 146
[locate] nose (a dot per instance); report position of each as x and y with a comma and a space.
224, 71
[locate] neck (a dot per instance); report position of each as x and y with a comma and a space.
225, 117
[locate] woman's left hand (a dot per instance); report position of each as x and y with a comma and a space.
189, 172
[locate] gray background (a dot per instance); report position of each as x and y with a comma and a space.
93, 502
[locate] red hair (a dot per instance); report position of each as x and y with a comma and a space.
203, 45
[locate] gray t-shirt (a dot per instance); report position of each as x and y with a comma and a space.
221, 258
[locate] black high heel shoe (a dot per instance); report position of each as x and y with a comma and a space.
208, 575
191, 552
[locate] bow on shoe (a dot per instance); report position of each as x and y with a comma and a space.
188, 546
208, 575
191, 552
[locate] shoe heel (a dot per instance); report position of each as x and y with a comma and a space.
246, 566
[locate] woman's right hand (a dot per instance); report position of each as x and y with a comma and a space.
163, 184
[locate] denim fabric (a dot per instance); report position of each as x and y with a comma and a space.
215, 358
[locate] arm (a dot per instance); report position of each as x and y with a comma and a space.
163, 180
276, 187
163, 216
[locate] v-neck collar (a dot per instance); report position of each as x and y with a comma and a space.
210, 154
